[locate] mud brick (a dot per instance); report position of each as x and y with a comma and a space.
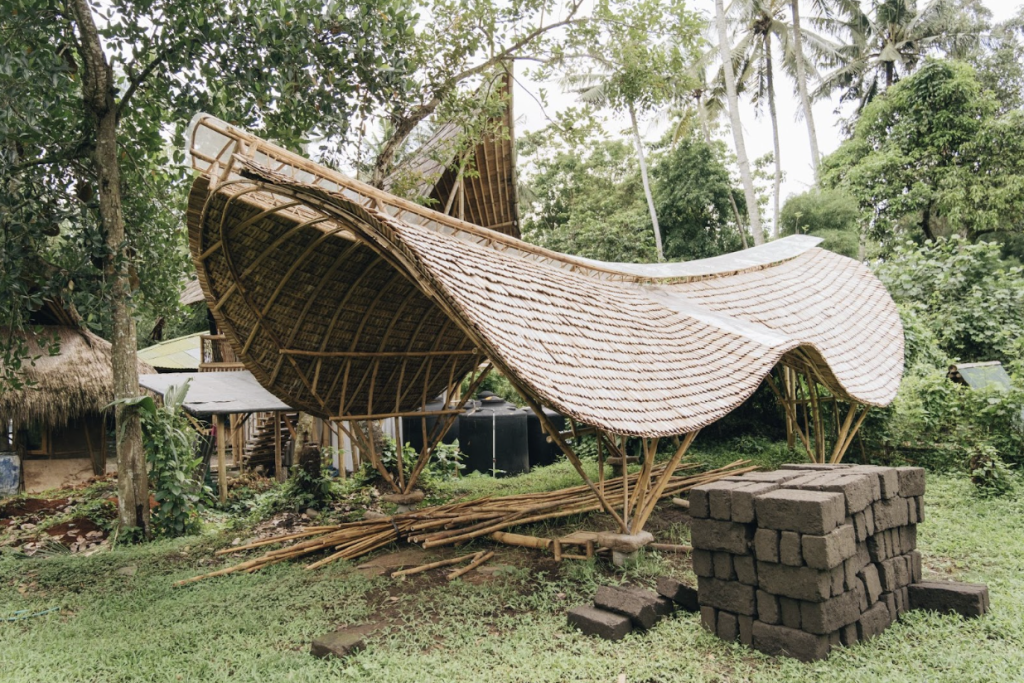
862, 593
915, 566
337, 644
869, 575
731, 596
888, 479
768, 608
834, 639
869, 519
848, 634
766, 545
685, 597
663, 607
746, 626
728, 629
775, 476
720, 499
800, 583
890, 604
779, 640
817, 467
806, 512
895, 541
708, 617
598, 622
890, 513
919, 502
746, 572
789, 611
825, 617
859, 490
639, 606
743, 500
860, 527
830, 550
902, 601
838, 581
911, 481
894, 573
700, 507
878, 547
853, 565
966, 599
713, 534
911, 511
789, 549
703, 564
874, 621
810, 480
908, 538
723, 566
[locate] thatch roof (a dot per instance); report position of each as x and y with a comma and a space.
491, 198
346, 301
191, 293
75, 382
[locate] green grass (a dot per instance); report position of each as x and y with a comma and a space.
114, 627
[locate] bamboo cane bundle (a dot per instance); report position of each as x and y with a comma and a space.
459, 522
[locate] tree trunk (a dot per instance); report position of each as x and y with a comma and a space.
801, 82
98, 97
647, 183
737, 128
775, 133
703, 113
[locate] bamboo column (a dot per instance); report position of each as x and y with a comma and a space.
222, 459
278, 460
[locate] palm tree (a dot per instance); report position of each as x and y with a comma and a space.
891, 42
737, 127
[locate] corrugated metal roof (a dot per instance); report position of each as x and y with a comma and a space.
986, 375
183, 353
218, 393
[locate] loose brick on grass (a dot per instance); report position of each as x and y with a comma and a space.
597, 622
779, 640
678, 592
641, 609
966, 599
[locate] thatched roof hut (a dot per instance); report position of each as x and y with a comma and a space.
75, 382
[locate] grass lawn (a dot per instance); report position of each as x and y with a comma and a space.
120, 619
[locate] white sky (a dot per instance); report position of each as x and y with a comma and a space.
795, 151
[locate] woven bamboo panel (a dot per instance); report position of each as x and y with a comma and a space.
294, 269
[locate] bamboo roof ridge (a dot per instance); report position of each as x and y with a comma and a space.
348, 302
76, 381
490, 194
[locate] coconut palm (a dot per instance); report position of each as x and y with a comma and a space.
729, 77
891, 41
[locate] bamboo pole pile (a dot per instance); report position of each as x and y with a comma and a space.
459, 522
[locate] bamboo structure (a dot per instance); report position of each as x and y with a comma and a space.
457, 523
353, 304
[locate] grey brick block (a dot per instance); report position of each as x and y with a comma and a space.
746, 626
746, 571
890, 513
703, 564
825, 617
728, 629
743, 500
830, 550
678, 592
870, 577
894, 573
789, 549
768, 608
779, 640
713, 534
641, 609
766, 545
807, 512
890, 604
598, 622
854, 564
700, 507
915, 566
919, 501
874, 621
723, 566
731, 596
775, 476
789, 612
848, 635
709, 618
911, 481
888, 479
720, 499
800, 583
966, 599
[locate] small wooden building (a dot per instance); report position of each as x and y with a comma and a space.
58, 422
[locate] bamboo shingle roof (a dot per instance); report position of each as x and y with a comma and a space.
345, 301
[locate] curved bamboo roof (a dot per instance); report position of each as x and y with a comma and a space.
348, 302
76, 381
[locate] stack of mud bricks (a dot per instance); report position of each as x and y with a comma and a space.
808, 557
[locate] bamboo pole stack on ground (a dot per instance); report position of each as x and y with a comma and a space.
457, 522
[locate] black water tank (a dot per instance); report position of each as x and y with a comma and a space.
542, 452
412, 427
493, 435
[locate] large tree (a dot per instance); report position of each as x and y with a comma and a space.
934, 158
108, 85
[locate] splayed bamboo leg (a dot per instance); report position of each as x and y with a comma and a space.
662, 482
790, 411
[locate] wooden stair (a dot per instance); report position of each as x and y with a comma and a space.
259, 448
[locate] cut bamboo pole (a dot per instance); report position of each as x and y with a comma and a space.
433, 565
222, 460
481, 557
521, 540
